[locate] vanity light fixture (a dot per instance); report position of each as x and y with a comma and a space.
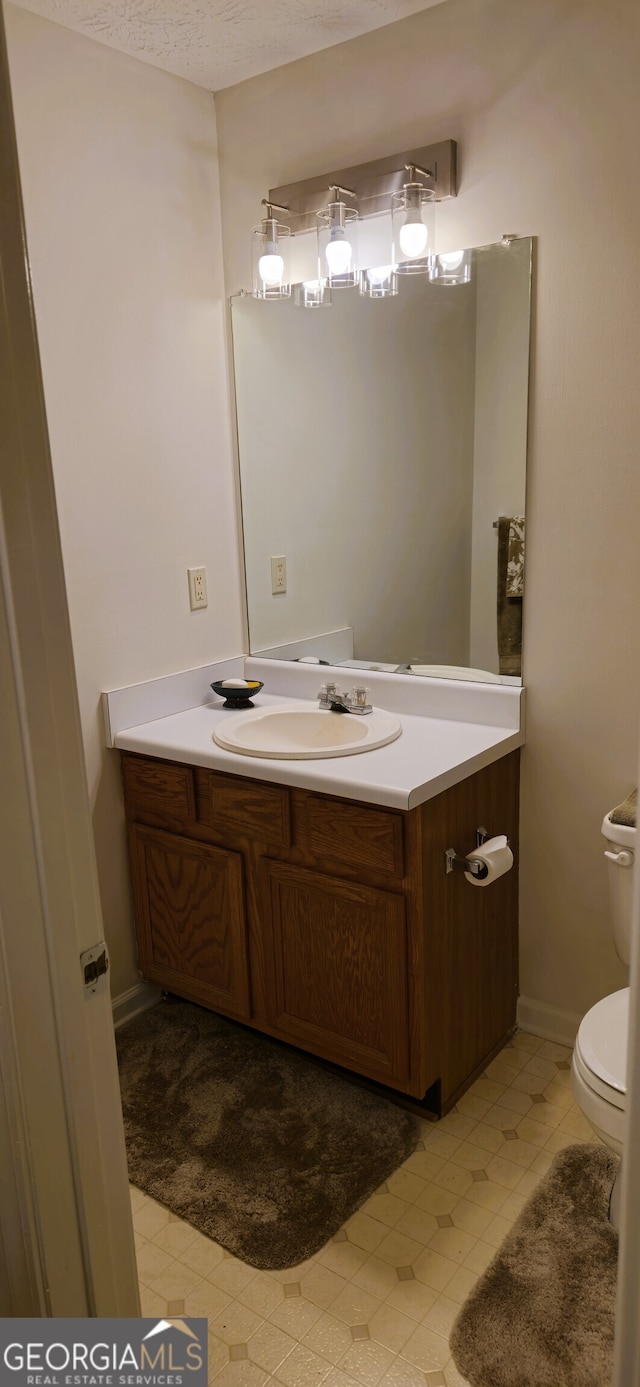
337, 227
452, 268
379, 283
270, 255
332, 203
413, 223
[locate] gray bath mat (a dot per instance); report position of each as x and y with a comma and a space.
246, 1139
542, 1315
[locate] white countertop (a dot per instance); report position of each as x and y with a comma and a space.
431, 755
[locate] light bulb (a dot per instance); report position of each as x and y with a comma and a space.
338, 253
452, 260
413, 235
271, 266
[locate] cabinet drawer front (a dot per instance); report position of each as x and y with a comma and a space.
190, 918
157, 787
246, 807
362, 837
337, 956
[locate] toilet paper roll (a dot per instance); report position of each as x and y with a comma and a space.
496, 856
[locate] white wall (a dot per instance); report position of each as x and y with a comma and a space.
543, 101
356, 448
500, 435
120, 182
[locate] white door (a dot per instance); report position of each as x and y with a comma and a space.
66, 1240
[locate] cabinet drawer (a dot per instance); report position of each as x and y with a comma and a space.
159, 788
245, 807
337, 831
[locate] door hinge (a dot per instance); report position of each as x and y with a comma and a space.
94, 963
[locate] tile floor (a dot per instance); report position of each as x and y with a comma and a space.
375, 1306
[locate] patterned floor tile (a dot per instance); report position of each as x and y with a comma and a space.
329, 1337
374, 1308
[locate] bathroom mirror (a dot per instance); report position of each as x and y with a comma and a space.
382, 448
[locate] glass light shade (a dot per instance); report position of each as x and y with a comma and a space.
312, 293
454, 267
379, 283
412, 229
338, 245
270, 243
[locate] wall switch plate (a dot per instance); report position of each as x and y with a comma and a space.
197, 588
278, 574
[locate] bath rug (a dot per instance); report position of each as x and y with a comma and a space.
627, 812
542, 1314
247, 1140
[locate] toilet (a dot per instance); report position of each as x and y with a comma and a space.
599, 1068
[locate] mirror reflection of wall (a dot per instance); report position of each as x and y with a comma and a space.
379, 443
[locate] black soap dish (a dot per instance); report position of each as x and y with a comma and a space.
237, 695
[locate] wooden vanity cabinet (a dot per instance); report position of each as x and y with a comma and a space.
327, 923
190, 918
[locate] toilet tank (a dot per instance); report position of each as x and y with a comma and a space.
620, 854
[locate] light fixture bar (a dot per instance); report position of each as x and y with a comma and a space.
413, 169
372, 183
273, 207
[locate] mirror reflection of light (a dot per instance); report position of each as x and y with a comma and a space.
452, 260
380, 273
271, 268
413, 235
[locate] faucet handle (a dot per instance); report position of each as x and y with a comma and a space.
329, 693
360, 696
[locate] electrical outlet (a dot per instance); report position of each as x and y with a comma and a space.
278, 574
197, 588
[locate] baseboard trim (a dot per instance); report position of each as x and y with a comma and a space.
140, 997
535, 1017
549, 1022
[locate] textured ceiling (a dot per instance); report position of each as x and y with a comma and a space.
215, 43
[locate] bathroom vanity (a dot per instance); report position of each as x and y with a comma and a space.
325, 919
309, 898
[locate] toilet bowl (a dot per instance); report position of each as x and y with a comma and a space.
599, 1069
599, 1066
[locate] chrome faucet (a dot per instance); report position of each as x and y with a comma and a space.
332, 698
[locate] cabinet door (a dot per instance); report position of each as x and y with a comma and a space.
190, 919
336, 963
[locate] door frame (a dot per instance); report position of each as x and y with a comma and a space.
627, 1336
66, 1236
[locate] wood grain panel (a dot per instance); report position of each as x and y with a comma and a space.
361, 949
471, 933
423, 1047
158, 788
246, 807
335, 830
337, 966
191, 920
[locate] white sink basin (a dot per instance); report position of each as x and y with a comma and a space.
300, 732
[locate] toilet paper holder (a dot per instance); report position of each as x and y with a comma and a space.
453, 861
